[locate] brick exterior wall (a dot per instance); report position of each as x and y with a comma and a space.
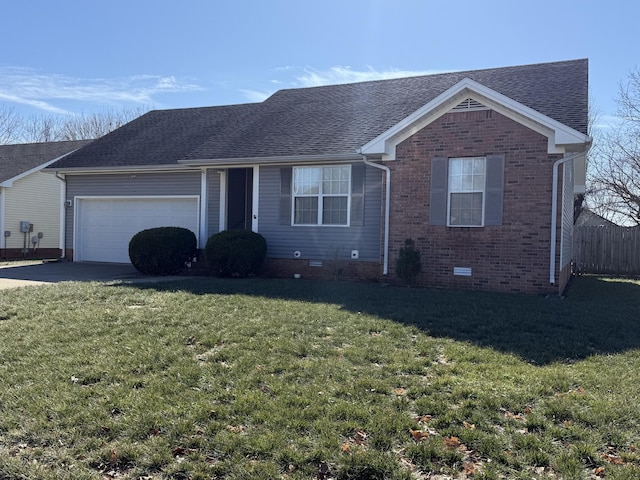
512, 257
16, 253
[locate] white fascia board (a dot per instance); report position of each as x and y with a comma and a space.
560, 136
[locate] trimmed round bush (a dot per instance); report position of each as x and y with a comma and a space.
162, 250
235, 253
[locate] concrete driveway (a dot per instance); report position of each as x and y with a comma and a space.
38, 273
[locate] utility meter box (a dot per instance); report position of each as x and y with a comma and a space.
26, 227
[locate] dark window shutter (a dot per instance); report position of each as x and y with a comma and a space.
494, 190
357, 195
438, 192
285, 195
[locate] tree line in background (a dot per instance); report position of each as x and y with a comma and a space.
15, 128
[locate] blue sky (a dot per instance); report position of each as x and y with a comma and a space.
71, 56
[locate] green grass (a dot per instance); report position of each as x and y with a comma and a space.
296, 379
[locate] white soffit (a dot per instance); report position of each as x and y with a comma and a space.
559, 135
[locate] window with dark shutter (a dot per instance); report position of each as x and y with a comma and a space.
322, 195
458, 196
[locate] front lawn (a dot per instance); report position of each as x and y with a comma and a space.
296, 379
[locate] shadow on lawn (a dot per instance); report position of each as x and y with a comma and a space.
598, 316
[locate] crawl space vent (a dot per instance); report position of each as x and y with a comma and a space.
315, 263
462, 271
469, 105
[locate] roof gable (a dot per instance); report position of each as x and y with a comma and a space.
20, 160
560, 136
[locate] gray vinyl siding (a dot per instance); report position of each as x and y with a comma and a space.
213, 203
320, 242
127, 185
566, 235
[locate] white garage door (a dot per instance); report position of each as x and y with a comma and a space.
104, 227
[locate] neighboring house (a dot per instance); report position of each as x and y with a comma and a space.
587, 218
31, 197
479, 168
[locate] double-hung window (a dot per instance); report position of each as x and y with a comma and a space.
321, 195
466, 192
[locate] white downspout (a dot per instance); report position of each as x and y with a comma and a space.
202, 234
387, 207
554, 216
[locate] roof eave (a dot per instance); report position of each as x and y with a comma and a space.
286, 159
120, 169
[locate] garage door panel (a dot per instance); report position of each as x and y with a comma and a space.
104, 227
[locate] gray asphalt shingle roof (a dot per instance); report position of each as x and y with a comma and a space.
19, 158
334, 119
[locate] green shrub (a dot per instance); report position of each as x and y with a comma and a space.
408, 266
162, 250
236, 253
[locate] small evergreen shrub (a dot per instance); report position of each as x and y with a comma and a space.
235, 253
408, 266
162, 250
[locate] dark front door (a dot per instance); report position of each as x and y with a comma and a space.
239, 198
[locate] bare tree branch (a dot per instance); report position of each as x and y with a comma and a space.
615, 173
9, 124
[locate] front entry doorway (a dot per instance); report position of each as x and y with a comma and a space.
239, 198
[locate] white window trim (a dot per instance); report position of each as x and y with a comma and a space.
449, 192
319, 196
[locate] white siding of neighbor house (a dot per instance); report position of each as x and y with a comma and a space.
320, 242
127, 185
34, 198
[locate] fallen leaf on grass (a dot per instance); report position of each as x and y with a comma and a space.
510, 414
360, 437
452, 442
470, 468
599, 472
235, 429
469, 426
612, 458
400, 391
418, 435
423, 418
345, 447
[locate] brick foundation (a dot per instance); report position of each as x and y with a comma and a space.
330, 270
16, 253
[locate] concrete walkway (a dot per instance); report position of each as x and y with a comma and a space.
22, 274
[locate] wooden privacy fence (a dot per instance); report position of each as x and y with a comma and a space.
607, 250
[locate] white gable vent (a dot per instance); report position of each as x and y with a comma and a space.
469, 105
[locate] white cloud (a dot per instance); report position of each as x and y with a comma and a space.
255, 95
310, 77
42, 90
344, 74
